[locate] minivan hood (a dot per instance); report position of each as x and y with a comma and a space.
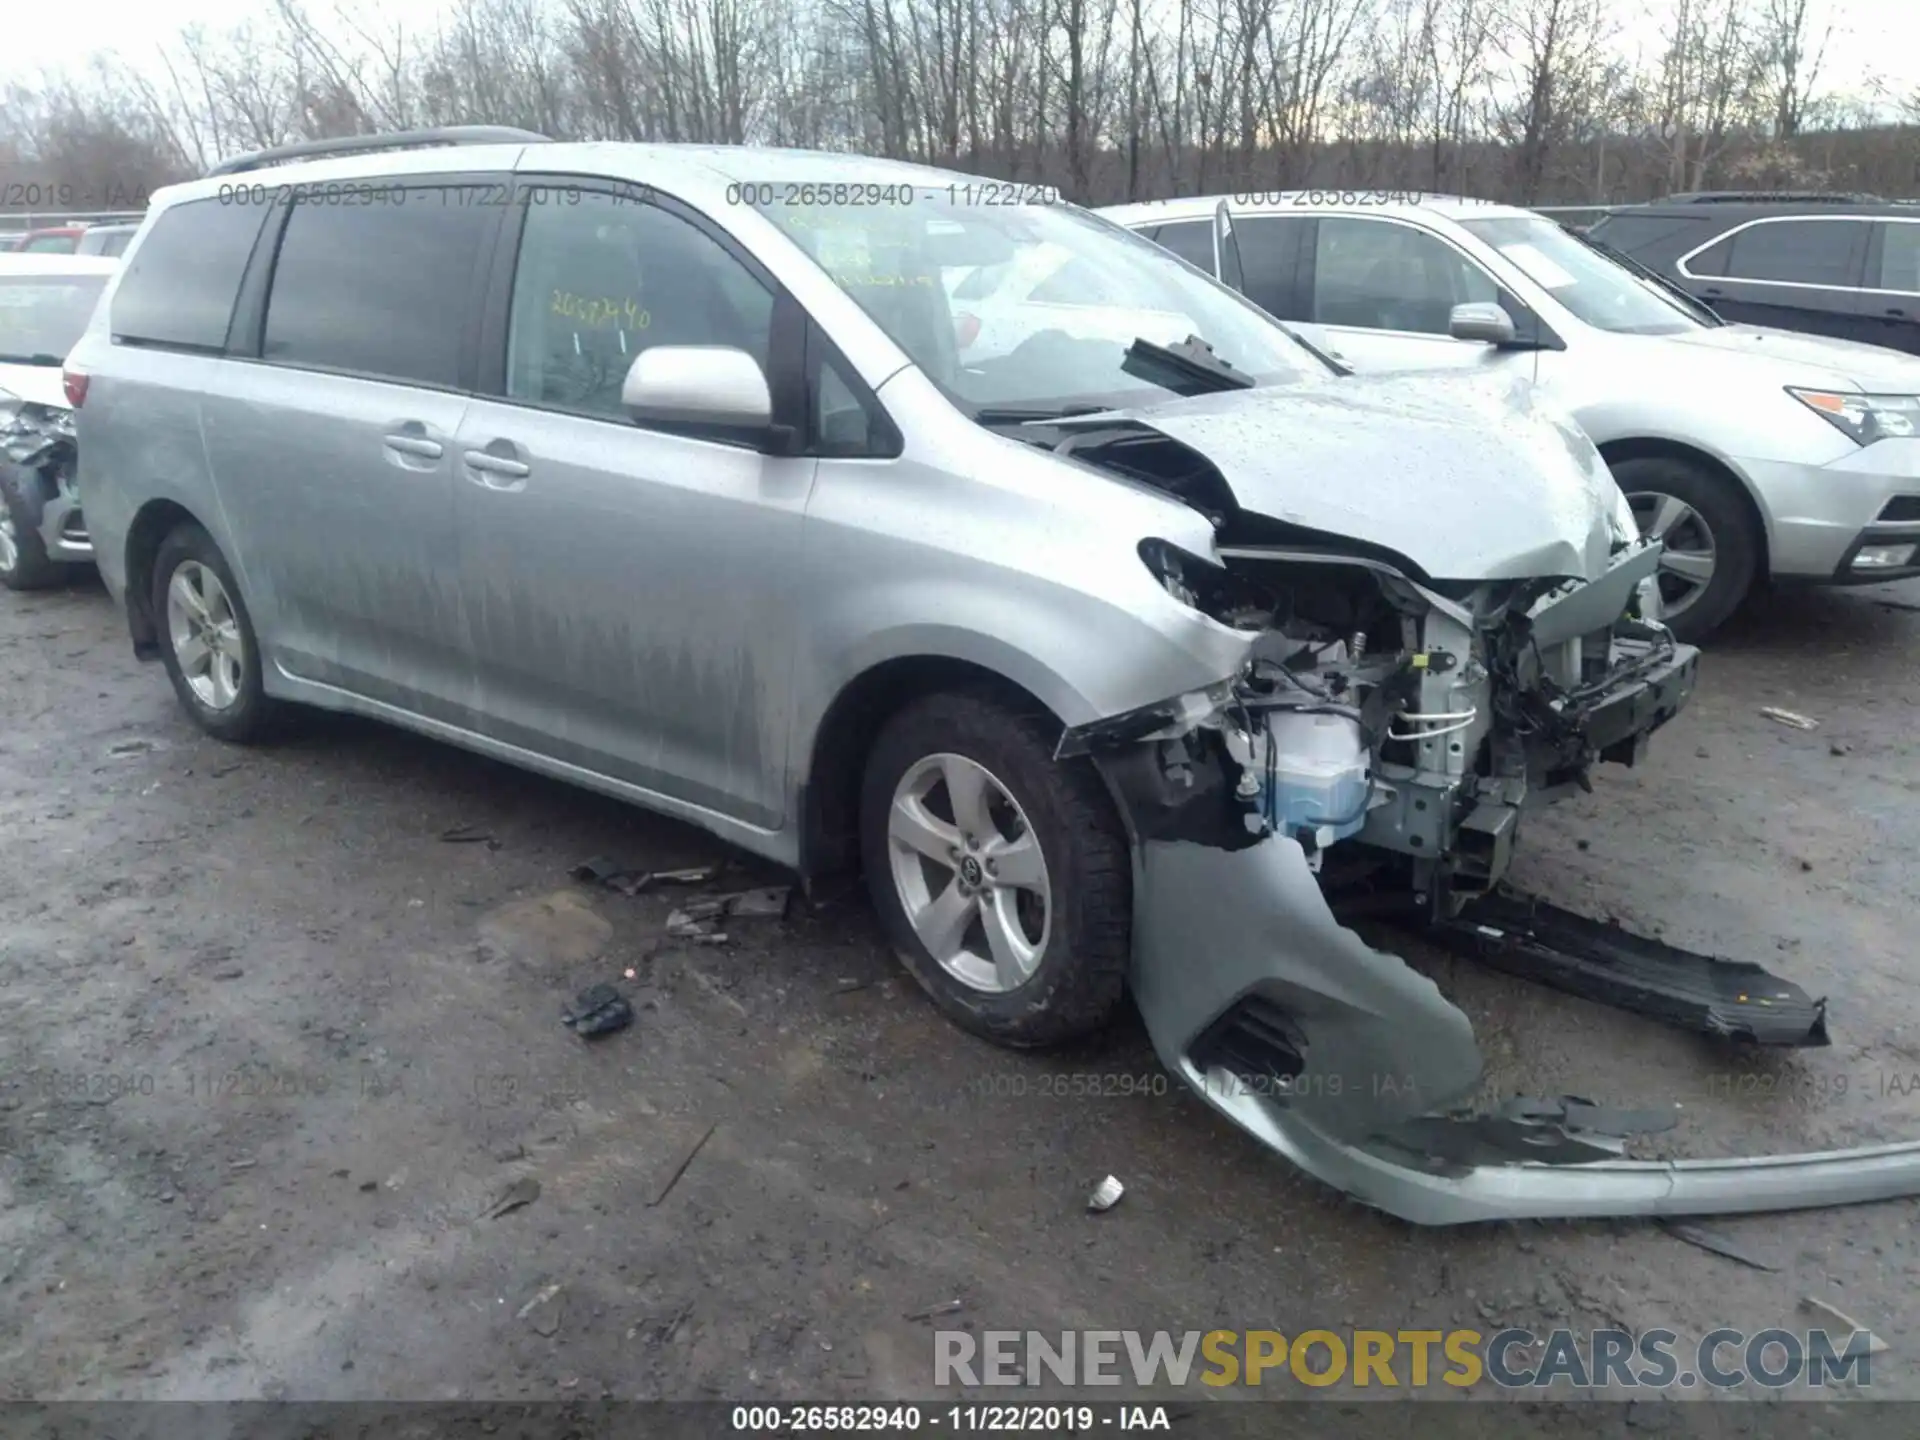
1470, 477
1872, 368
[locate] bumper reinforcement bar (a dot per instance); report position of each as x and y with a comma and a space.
1729, 999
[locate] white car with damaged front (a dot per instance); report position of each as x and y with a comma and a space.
45, 303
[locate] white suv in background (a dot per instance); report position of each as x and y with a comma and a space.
1750, 452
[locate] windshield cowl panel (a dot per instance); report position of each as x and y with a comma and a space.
1032, 306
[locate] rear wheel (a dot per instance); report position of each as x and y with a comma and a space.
23, 556
206, 638
1713, 542
1001, 876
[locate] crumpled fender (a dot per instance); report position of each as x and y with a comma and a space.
1384, 1060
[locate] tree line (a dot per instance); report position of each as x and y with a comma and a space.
1529, 101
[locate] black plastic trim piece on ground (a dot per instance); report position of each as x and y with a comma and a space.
1730, 999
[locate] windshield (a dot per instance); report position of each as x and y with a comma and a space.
1026, 307
1598, 290
42, 316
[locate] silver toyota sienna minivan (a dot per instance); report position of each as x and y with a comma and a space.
1109, 652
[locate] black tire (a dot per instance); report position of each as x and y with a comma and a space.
1738, 539
31, 568
1080, 978
253, 716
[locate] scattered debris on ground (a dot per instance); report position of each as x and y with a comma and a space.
693, 921
469, 835
1105, 1195
947, 1307
1715, 1243
544, 1309
1875, 1345
1840, 747
597, 1010
681, 1169
629, 880
523, 1191
1789, 717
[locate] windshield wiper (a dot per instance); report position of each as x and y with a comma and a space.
1620, 257
1339, 367
1188, 368
1029, 414
39, 358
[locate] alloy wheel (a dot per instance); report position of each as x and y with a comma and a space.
969, 873
1687, 563
205, 633
9, 541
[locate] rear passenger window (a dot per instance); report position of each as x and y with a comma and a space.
381, 290
602, 278
180, 287
1899, 257
1799, 252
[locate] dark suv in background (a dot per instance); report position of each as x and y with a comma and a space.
1841, 265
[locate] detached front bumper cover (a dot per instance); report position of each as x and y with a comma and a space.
1354, 1066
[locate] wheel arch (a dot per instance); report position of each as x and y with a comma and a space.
829, 794
1662, 448
152, 524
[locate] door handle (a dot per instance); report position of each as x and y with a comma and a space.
415, 445
1897, 313
489, 464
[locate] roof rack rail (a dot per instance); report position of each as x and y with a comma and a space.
395, 140
1796, 197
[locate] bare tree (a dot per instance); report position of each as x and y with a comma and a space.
1790, 56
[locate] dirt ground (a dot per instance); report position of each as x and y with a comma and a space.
270, 1047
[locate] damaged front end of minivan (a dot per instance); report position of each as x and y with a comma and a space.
1381, 750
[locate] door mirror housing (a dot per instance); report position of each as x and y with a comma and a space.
711, 386
1483, 320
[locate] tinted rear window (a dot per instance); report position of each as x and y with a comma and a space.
180, 286
1799, 252
1900, 257
380, 290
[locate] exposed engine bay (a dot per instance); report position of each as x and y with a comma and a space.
1394, 716
1381, 748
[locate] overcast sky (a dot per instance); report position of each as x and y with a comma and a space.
1872, 40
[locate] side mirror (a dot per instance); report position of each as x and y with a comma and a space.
698, 385
1482, 320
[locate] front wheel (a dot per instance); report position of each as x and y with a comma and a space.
1713, 543
24, 564
1001, 876
206, 638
